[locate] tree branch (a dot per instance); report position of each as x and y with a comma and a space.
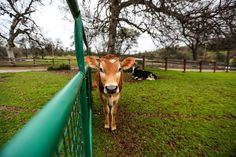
19, 31
132, 24
3, 37
12, 6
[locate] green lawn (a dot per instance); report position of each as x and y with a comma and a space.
49, 61
181, 114
23, 94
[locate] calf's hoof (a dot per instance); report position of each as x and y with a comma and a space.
106, 126
113, 128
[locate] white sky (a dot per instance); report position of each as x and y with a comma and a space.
50, 19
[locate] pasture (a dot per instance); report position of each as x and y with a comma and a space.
181, 114
23, 94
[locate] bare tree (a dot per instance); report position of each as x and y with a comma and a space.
151, 16
225, 39
49, 47
17, 22
126, 39
199, 25
227, 30
191, 21
167, 22
111, 16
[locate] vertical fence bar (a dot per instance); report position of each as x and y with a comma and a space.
227, 62
12, 61
89, 90
85, 100
83, 96
214, 67
143, 63
184, 65
34, 61
200, 66
166, 62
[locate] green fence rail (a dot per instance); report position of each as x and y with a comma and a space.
64, 126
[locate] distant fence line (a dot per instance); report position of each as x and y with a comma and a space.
185, 64
165, 64
21, 62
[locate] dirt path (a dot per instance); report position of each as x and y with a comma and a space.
21, 69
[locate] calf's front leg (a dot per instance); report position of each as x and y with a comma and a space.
106, 110
113, 115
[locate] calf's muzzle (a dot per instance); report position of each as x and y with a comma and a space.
111, 89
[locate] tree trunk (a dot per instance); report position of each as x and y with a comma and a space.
114, 9
10, 53
10, 41
42, 55
194, 49
26, 53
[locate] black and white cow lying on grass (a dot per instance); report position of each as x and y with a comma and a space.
142, 75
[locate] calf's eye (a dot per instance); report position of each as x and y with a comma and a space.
119, 69
101, 70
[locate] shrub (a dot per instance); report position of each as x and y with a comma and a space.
233, 61
60, 67
65, 67
50, 68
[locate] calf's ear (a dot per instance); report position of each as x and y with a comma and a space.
92, 61
127, 63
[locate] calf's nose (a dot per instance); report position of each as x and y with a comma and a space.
111, 89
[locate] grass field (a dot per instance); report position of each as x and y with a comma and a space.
23, 94
181, 114
48, 60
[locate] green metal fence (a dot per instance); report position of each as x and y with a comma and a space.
64, 126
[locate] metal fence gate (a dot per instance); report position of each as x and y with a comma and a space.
64, 126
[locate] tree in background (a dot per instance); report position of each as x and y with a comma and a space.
168, 22
59, 47
195, 24
17, 22
3, 52
227, 31
225, 37
126, 39
111, 16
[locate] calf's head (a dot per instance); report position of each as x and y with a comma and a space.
110, 71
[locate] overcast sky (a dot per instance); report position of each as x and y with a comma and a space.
50, 19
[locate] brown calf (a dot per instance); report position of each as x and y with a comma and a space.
109, 79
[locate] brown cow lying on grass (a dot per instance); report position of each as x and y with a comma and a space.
109, 79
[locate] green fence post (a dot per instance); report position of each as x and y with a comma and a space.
89, 83
83, 96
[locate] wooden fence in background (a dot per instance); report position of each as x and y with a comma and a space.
29, 62
165, 64
185, 65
